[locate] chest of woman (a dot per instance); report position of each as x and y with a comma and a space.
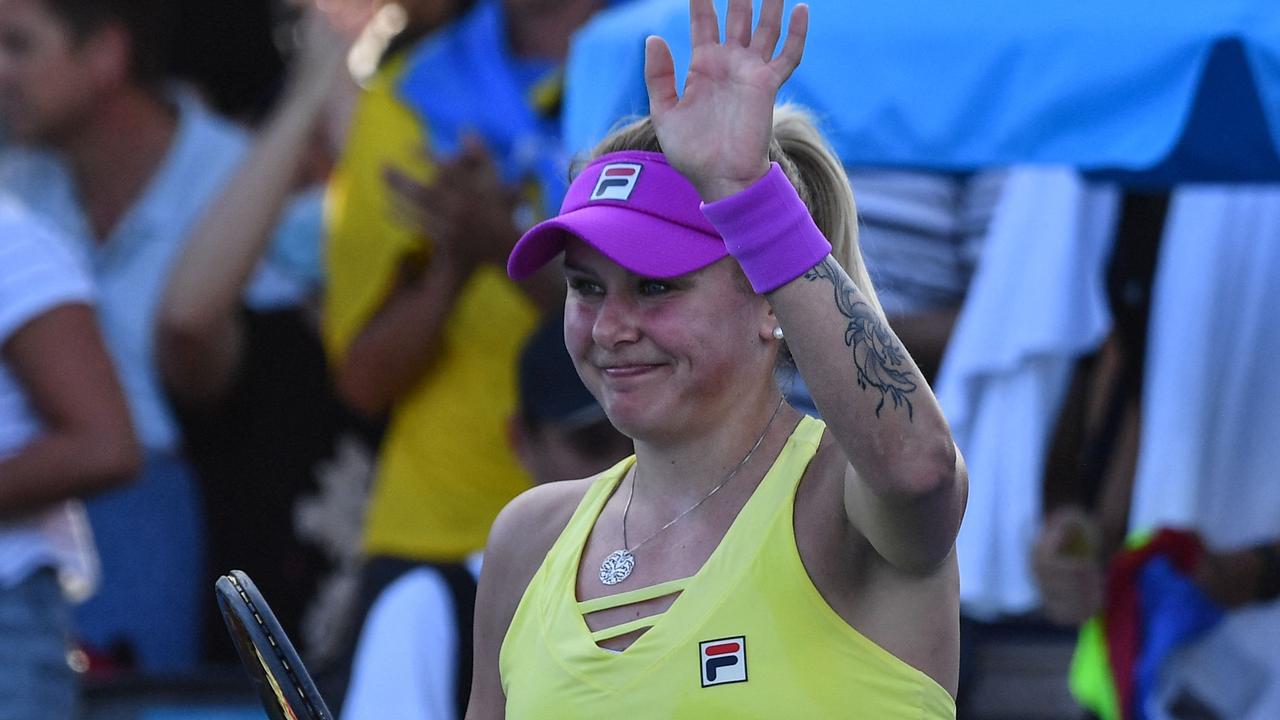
747, 635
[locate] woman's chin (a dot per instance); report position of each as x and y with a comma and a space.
638, 421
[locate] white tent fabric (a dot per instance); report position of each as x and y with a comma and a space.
1210, 447
1036, 304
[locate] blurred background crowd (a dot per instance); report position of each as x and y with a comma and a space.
254, 314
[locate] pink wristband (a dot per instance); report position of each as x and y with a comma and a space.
769, 231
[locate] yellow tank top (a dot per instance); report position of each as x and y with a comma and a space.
749, 635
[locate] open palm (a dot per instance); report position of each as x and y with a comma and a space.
718, 133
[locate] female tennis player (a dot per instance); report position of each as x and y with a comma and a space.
748, 561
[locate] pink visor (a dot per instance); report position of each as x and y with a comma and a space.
637, 210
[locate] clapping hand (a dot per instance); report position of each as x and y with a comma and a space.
718, 133
465, 210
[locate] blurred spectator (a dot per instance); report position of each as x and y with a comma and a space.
413, 661
1204, 465
1089, 470
125, 162
453, 148
64, 434
246, 371
1029, 312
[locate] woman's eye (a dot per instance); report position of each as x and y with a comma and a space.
654, 287
583, 286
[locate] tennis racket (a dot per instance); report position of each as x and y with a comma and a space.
276, 671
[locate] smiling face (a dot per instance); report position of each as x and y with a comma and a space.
664, 357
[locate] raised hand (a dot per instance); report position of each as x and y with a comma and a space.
320, 55
718, 133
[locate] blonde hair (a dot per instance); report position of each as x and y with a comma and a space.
812, 167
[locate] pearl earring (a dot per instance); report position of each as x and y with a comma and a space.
777, 333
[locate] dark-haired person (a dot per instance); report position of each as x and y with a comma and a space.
64, 434
125, 163
748, 561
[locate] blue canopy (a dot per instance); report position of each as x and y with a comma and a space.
1181, 90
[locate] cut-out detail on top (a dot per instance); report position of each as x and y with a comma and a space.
631, 597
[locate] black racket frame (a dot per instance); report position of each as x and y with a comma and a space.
266, 653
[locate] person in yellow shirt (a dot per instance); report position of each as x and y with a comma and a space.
449, 152
748, 561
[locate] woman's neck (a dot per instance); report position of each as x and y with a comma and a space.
681, 468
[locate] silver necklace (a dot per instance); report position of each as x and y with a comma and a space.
618, 566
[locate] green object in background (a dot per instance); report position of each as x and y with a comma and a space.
1090, 680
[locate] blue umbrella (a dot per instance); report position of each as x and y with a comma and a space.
1153, 92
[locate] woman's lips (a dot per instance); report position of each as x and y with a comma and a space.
628, 371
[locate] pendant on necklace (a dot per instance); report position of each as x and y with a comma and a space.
617, 567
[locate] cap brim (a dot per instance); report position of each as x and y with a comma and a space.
642, 243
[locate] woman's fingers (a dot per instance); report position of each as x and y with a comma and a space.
737, 23
704, 26
660, 75
765, 41
793, 48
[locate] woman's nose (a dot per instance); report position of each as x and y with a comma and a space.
615, 322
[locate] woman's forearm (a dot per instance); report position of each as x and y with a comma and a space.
870, 391
907, 487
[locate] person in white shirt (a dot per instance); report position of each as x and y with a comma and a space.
125, 163
65, 433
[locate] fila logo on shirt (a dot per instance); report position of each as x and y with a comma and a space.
723, 661
617, 181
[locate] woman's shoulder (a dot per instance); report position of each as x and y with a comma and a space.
520, 539
529, 525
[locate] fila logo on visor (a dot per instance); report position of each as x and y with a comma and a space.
617, 181
723, 661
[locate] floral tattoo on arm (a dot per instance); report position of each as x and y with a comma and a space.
877, 353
